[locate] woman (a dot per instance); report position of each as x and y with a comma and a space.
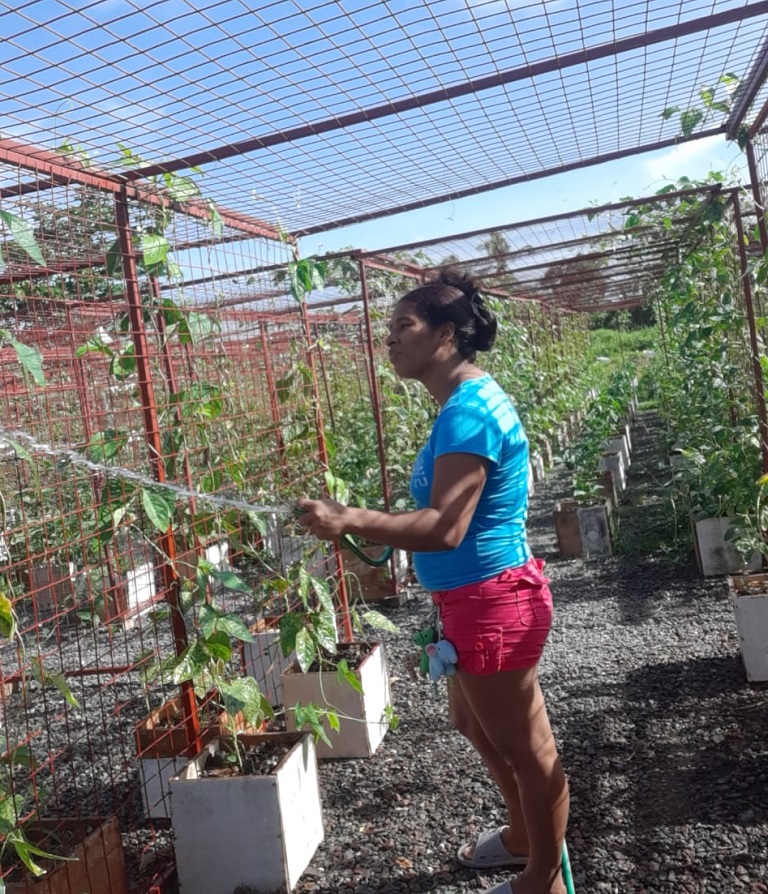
469, 545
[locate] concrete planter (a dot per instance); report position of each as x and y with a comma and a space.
567, 529
714, 554
361, 714
749, 598
254, 833
595, 531
99, 865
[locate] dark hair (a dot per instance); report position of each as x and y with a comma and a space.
454, 297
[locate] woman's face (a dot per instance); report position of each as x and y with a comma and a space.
412, 342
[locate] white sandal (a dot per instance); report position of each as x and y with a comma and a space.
489, 852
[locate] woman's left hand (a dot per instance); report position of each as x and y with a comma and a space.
323, 518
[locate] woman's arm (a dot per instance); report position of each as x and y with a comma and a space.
458, 482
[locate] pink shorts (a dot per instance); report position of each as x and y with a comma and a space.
499, 624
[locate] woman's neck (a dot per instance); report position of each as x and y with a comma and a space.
442, 382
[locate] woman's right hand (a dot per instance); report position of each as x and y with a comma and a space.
325, 519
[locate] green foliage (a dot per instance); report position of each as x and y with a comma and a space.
30, 359
691, 117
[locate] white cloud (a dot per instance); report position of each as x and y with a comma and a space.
694, 160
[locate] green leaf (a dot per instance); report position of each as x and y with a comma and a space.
689, 119
23, 233
669, 112
345, 675
231, 581
105, 445
7, 618
154, 249
218, 646
30, 358
235, 627
123, 364
217, 222
159, 505
194, 326
305, 649
192, 662
183, 188
323, 592
114, 258
324, 627
94, 345
379, 621
57, 680
242, 694
290, 625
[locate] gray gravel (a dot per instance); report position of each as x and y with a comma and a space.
664, 742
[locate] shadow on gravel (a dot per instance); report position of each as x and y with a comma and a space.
699, 738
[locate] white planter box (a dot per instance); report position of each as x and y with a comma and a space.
263, 660
595, 532
361, 715
613, 462
537, 466
531, 480
714, 554
749, 597
618, 445
216, 552
254, 833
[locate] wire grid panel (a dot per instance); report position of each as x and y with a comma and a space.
122, 363
339, 113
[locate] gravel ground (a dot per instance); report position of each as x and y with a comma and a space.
664, 742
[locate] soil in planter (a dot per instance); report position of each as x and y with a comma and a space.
258, 760
61, 842
353, 653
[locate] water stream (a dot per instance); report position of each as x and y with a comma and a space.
26, 442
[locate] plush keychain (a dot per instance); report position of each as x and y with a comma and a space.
442, 659
424, 638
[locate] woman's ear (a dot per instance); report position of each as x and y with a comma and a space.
447, 332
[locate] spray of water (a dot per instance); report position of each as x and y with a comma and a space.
13, 438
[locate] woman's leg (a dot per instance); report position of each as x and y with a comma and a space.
509, 707
462, 716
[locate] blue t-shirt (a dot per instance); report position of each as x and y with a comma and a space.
478, 418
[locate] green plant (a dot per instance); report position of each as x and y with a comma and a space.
15, 754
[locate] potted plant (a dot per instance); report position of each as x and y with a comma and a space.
50, 855
162, 742
238, 824
748, 590
340, 690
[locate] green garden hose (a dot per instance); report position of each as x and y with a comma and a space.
347, 541
567, 874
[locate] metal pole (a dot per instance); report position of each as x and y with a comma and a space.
753, 343
171, 583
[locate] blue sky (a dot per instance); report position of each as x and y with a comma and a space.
636, 176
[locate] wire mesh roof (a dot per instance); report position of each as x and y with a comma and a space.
312, 115
599, 259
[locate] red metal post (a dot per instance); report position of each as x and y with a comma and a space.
751, 323
376, 402
342, 595
171, 583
